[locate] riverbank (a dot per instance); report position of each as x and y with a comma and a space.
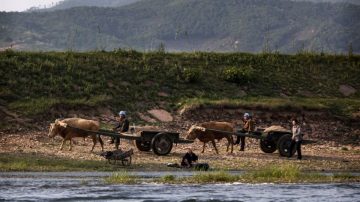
34, 151
275, 174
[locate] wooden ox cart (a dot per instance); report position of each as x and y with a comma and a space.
269, 141
160, 142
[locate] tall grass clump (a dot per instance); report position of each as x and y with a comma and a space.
120, 178
240, 75
26, 162
168, 179
192, 75
213, 177
284, 173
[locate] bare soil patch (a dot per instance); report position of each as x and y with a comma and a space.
328, 156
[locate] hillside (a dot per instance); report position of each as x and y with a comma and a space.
188, 25
66, 4
39, 87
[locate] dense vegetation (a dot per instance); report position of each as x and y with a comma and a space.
217, 25
33, 83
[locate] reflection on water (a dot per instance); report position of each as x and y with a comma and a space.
83, 186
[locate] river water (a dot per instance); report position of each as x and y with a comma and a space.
89, 186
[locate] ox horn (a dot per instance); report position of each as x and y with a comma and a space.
62, 124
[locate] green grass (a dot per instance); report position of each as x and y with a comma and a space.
121, 178
285, 173
168, 179
292, 174
213, 177
282, 174
38, 162
34, 83
43, 104
28, 162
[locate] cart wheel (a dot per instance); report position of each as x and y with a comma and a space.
126, 161
284, 145
267, 146
142, 145
161, 144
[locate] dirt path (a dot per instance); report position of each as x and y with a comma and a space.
320, 157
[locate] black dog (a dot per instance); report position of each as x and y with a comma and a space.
107, 154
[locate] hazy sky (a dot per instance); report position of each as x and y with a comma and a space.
22, 5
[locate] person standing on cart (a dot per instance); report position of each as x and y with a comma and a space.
249, 126
122, 126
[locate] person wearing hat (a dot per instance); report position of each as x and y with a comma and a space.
249, 126
122, 126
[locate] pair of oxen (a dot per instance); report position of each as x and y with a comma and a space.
200, 131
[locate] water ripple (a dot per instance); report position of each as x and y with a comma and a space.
31, 187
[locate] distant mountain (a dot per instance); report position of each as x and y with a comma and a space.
66, 4
188, 25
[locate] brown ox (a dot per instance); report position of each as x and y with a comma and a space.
59, 127
200, 132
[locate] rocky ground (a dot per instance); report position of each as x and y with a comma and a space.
336, 148
326, 156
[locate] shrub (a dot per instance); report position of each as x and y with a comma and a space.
191, 75
240, 75
121, 178
214, 177
168, 179
283, 173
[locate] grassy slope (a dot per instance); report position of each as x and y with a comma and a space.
34, 82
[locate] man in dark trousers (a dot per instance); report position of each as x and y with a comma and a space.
249, 126
188, 159
122, 126
296, 139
